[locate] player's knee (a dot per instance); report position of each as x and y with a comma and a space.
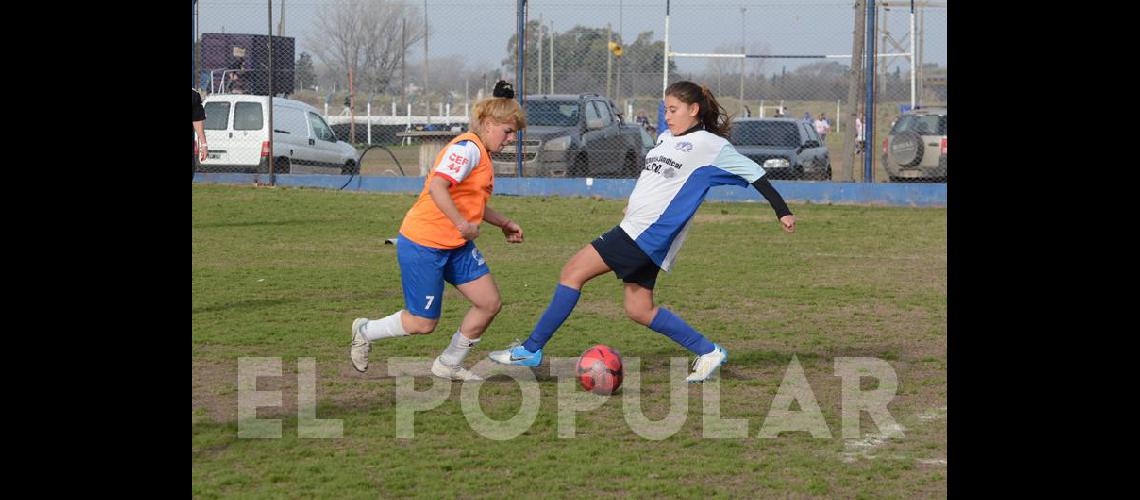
421, 326
639, 313
572, 277
567, 276
492, 307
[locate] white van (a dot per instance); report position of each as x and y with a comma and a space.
302, 141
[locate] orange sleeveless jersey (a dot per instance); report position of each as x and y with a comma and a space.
426, 225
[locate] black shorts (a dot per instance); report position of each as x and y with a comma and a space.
627, 260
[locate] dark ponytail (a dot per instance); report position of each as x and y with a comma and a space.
711, 115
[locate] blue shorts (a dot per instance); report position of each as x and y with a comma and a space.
423, 270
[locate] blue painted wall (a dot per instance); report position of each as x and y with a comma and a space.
839, 193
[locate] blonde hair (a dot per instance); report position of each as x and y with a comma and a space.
498, 109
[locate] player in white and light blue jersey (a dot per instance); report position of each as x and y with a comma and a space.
690, 158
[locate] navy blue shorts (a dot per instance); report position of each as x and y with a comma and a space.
423, 270
628, 261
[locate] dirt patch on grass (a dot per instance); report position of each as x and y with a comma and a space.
214, 389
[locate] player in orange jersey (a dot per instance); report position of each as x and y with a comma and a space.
437, 241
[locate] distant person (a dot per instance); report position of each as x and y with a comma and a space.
347, 106
807, 116
822, 127
235, 78
859, 139
642, 120
199, 118
747, 111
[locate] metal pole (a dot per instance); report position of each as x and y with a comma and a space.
617, 89
519, 79
912, 55
551, 57
743, 50
403, 52
869, 107
539, 53
351, 108
665, 69
427, 105
269, 33
281, 20
609, 60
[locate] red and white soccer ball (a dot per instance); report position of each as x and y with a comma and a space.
600, 370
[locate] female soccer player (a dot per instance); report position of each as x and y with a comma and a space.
691, 157
437, 241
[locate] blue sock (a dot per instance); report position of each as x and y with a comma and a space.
565, 298
675, 328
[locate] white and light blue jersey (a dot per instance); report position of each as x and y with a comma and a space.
678, 174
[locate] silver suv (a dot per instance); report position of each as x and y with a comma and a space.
915, 148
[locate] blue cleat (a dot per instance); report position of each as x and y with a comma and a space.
516, 355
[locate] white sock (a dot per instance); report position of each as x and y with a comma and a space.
384, 328
457, 350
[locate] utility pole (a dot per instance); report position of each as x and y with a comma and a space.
551, 57
617, 92
281, 19
269, 31
427, 105
609, 59
854, 83
403, 53
540, 53
742, 51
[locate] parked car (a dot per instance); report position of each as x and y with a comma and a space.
787, 148
574, 136
238, 137
915, 148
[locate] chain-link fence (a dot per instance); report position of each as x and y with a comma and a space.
403, 76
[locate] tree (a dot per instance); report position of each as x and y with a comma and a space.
365, 36
306, 74
580, 56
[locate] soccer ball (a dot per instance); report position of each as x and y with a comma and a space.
600, 370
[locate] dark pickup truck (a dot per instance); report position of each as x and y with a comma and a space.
574, 136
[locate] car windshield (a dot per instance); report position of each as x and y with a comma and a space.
552, 113
763, 133
921, 124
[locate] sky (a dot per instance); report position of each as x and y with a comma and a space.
478, 30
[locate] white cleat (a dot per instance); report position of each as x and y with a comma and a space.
452, 372
360, 347
707, 364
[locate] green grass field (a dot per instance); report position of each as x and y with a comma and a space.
281, 273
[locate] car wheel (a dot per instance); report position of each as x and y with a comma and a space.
579, 168
281, 165
349, 168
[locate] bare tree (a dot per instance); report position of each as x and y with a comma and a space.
364, 35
